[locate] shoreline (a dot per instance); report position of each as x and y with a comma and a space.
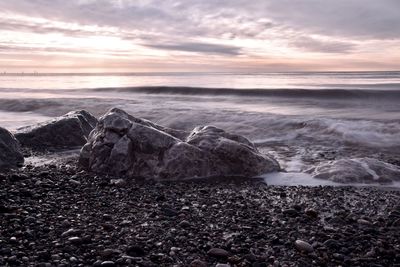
132, 223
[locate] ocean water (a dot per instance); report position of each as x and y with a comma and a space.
302, 118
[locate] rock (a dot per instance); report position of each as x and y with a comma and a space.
184, 224
290, 212
311, 213
10, 152
218, 253
108, 264
303, 246
123, 145
68, 131
135, 251
363, 222
357, 170
75, 240
198, 263
70, 232
170, 212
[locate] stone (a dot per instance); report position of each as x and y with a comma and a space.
125, 146
311, 213
135, 251
357, 170
67, 131
75, 240
10, 153
218, 253
303, 246
184, 224
198, 263
70, 232
108, 264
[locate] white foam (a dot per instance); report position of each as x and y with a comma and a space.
294, 179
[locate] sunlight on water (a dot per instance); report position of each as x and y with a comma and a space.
355, 80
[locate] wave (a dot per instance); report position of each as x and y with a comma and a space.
311, 93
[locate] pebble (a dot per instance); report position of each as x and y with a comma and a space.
363, 222
198, 263
75, 240
70, 232
311, 213
135, 251
218, 253
107, 264
303, 246
184, 224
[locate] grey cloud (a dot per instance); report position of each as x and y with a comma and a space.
199, 48
350, 18
227, 19
313, 45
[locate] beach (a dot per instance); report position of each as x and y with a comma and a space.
59, 216
56, 213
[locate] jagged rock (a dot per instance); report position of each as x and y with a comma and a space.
123, 145
10, 153
358, 170
69, 130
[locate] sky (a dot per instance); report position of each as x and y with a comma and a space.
199, 35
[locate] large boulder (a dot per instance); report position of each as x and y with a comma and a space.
357, 170
67, 131
10, 153
123, 145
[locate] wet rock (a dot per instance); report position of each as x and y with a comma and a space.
68, 131
123, 145
303, 246
357, 170
10, 152
218, 253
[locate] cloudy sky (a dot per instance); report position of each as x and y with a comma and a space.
199, 35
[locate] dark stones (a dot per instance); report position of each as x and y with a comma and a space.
68, 131
123, 145
10, 152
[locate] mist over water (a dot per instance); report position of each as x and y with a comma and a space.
301, 118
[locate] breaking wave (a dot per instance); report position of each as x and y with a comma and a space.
312, 93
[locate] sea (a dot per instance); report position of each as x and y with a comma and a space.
301, 118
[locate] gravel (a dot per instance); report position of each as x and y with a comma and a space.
60, 216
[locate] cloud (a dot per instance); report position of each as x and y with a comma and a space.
313, 45
257, 30
199, 48
346, 18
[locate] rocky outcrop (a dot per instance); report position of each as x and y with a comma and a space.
123, 145
67, 131
358, 170
10, 153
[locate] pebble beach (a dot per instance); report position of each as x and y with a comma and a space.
57, 215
